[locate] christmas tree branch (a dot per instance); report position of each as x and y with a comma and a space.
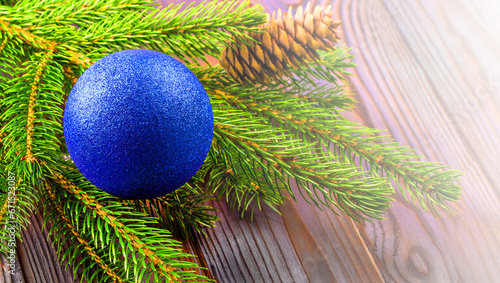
115, 224
316, 173
43, 44
183, 211
108, 222
277, 103
330, 67
68, 232
31, 104
429, 189
25, 36
8, 2
194, 32
77, 12
322, 81
243, 187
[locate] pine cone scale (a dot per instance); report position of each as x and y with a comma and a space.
309, 23
283, 39
267, 42
294, 46
289, 23
270, 64
259, 53
277, 51
300, 34
299, 16
320, 29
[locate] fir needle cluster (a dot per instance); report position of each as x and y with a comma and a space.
277, 97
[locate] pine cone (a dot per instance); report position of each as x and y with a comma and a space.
287, 42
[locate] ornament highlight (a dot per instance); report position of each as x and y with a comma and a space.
138, 124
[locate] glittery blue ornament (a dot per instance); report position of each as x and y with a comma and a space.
138, 124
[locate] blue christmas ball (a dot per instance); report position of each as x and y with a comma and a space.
138, 124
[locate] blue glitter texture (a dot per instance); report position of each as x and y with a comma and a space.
138, 124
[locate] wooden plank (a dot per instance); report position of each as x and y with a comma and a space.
37, 257
406, 74
427, 71
11, 274
408, 82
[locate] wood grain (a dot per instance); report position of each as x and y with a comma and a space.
419, 77
429, 73
38, 258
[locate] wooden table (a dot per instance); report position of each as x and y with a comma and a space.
429, 72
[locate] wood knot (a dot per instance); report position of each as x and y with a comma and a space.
418, 263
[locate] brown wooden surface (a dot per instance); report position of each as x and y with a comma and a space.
429, 72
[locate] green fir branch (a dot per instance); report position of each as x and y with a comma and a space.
82, 13
244, 188
8, 2
127, 236
317, 174
331, 67
323, 81
425, 182
94, 263
184, 211
32, 99
192, 33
